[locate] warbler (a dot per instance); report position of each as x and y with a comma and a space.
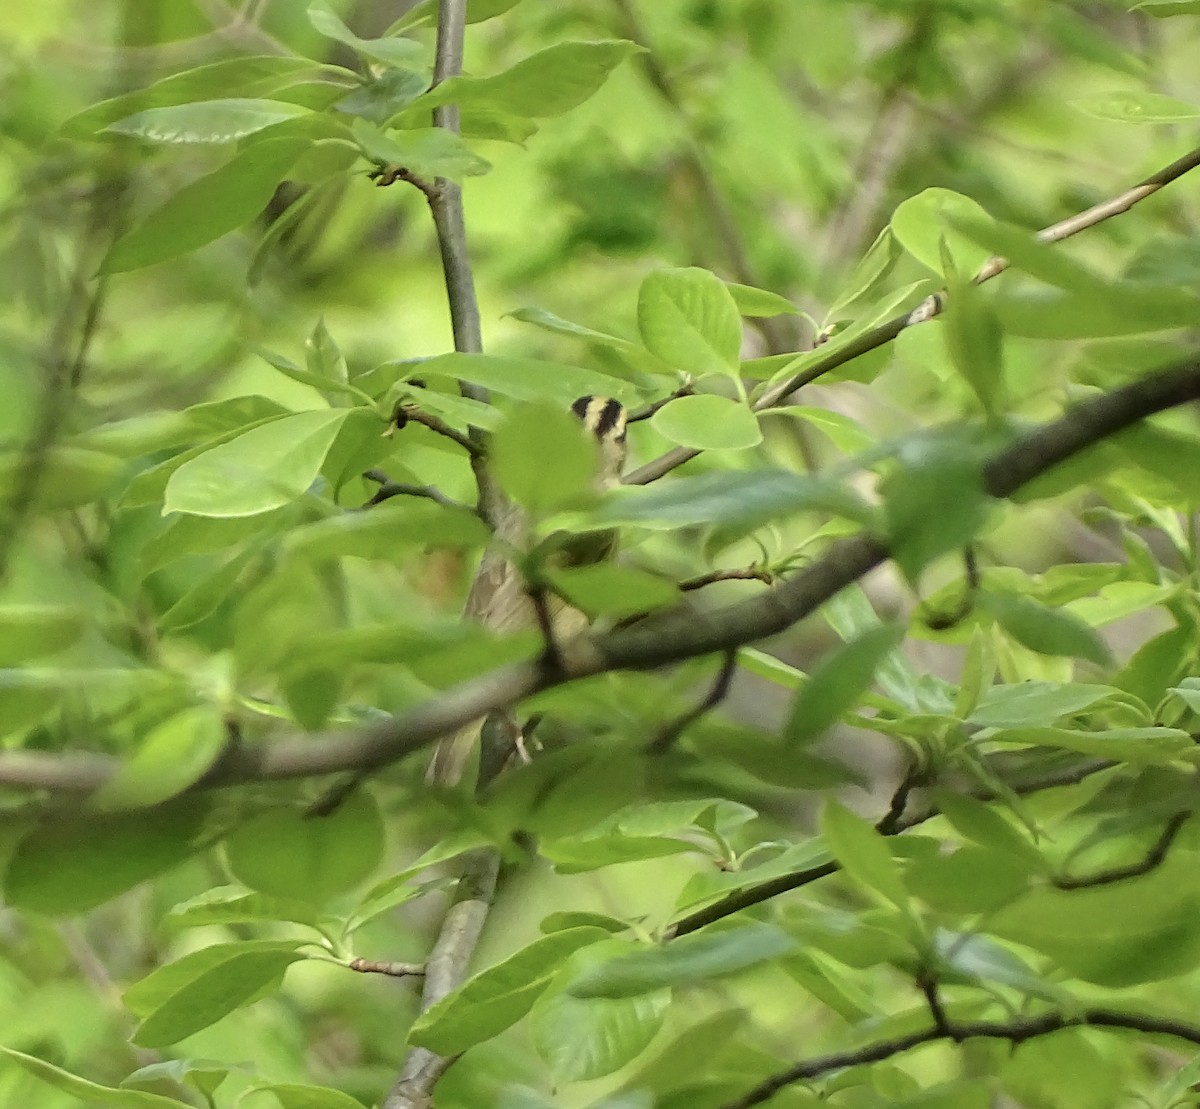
499, 596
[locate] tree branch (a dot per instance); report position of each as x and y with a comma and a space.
891, 823
444, 971
669, 733
672, 636
1154, 858
929, 308
1015, 1031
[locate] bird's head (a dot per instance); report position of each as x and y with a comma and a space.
605, 419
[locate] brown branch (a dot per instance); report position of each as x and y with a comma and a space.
928, 986
648, 410
392, 970
670, 732
445, 969
1154, 858
677, 634
892, 823
407, 413
928, 309
747, 573
384, 176
1015, 1031
459, 933
389, 489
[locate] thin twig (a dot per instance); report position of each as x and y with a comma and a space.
1015, 1031
929, 308
669, 733
928, 986
941, 621
1154, 858
746, 573
392, 970
648, 410
893, 820
892, 823
390, 489
383, 176
410, 413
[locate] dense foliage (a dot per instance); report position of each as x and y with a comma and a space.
871, 784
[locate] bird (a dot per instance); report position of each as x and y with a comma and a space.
501, 599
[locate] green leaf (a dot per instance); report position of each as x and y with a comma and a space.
868, 274
1043, 629
1140, 106
322, 358
1163, 9
388, 531
1135, 309
527, 379
592, 851
934, 501
688, 318
1117, 935
73, 863
1014, 706
232, 77
390, 51
974, 340
234, 905
262, 469
1169, 455
863, 854
284, 853
208, 592
1048, 262
1150, 746
971, 880
68, 477
293, 1096
208, 208
846, 433
89, 1093
428, 152
923, 222
707, 422
206, 122
392, 892
688, 961
981, 823
496, 998
760, 302
32, 631
172, 757
584, 1039
838, 682
612, 590
985, 961
731, 498
548, 83
382, 97
543, 457
191, 993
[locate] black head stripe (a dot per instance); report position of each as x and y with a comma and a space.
602, 416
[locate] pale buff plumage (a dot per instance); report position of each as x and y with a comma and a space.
498, 597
